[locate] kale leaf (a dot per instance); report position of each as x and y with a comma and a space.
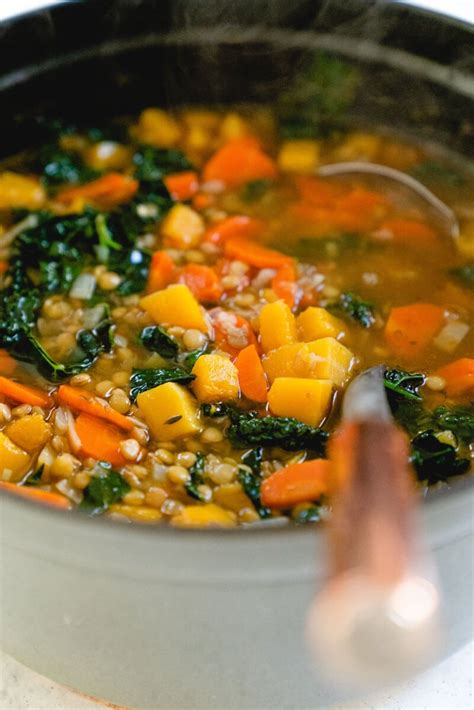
403, 384
435, 461
146, 379
156, 339
215, 410
459, 420
251, 481
464, 274
352, 306
286, 432
58, 166
34, 479
312, 514
196, 473
153, 164
105, 489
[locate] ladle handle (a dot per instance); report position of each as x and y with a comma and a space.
376, 618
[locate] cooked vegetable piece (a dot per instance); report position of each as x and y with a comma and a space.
203, 516
99, 439
251, 481
20, 191
410, 329
29, 432
458, 376
182, 186
143, 380
236, 226
254, 254
182, 227
196, 477
459, 420
202, 281
403, 384
434, 460
296, 483
239, 161
175, 305
14, 461
314, 323
277, 326
170, 411
35, 494
81, 400
330, 360
284, 285
158, 128
24, 393
299, 156
252, 379
105, 489
304, 399
216, 379
110, 189
7, 363
156, 339
286, 432
353, 307
162, 269
232, 332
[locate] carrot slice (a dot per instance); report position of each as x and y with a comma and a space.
255, 254
407, 231
84, 401
203, 200
7, 363
36, 494
182, 186
238, 225
284, 284
410, 329
161, 271
202, 281
3, 266
232, 333
459, 376
24, 393
112, 188
239, 161
252, 379
297, 483
99, 439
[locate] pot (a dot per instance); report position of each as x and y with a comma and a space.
158, 617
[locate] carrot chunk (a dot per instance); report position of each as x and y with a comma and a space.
255, 254
284, 284
236, 226
297, 483
99, 439
252, 378
410, 329
3, 266
202, 281
112, 188
36, 494
239, 161
161, 271
7, 363
84, 401
232, 333
24, 393
182, 186
459, 376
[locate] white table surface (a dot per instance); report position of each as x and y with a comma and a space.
449, 686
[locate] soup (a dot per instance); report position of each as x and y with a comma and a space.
184, 301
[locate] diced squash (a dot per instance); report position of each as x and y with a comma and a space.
20, 191
29, 432
204, 516
158, 128
170, 411
182, 227
305, 399
217, 379
324, 359
231, 495
329, 360
299, 156
175, 305
277, 326
138, 513
465, 241
107, 155
358, 145
316, 323
14, 461
458, 377
233, 126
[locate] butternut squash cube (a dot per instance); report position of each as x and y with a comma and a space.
183, 227
204, 516
20, 191
277, 326
299, 156
30, 432
158, 128
359, 145
217, 379
316, 323
170, 411
14, 461
329, 360
288, 361
175, 305
302, 398
231, 496
233, 126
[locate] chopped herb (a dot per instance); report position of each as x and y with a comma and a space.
432, 171
404, 384
255, 190
215, 410
173, 420
286, 432
464, 274
251, 481
105, 489
196, 477
34, 479
435, 461
312, 514
352, 306
156, 339
143, 380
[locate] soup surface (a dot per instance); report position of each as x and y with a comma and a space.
183, 302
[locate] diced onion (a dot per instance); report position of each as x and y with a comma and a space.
451, 335
83, 287
93, 316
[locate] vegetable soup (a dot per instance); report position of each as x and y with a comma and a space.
183, 302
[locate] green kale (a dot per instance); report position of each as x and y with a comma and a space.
105, 489
251, 481
435, 461
432, 171
34, 479
459, 420
215, 410
196, 473
153, 164
58, 166
188, 360
312, 514
406, 385
411, 415
465, 275
255, 189
285, 432
143, 380
351, 306
156, 339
